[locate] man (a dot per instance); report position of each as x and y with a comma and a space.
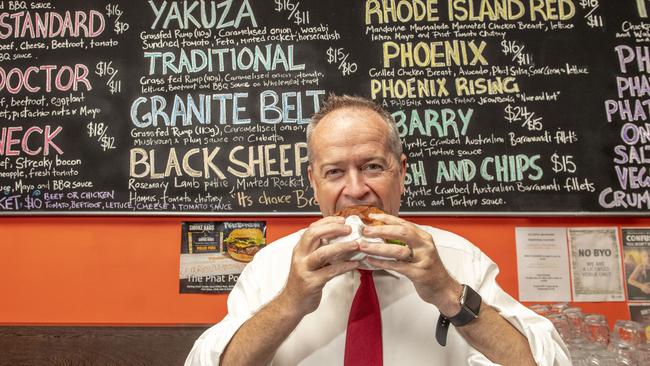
291, 303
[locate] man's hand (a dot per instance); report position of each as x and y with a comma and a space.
418, 260
313, 264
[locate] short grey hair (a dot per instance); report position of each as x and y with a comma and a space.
336, 102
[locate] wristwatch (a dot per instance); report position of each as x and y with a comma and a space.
470, 305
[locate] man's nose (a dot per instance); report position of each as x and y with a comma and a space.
356, 186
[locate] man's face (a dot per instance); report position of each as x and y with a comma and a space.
352, 164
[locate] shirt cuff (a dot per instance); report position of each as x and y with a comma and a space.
209, 347
545, 343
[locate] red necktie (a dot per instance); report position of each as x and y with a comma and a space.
363, 340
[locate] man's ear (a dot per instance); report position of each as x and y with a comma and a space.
311, 182
402, 171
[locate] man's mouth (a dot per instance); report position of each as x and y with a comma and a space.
359, 203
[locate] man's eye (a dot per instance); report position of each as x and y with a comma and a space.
373, 168
332, 173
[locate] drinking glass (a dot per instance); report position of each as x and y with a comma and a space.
625, 361
602, 357
623, 350
628, 331
561, 324
540, 309
583, 352
595, 328
578, 357
643, 354
558, 307
576, 321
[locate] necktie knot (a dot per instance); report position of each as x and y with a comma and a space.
366, 275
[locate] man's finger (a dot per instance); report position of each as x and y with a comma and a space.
331, 253
398, 252
311, 238
387, 219
331, 271
403, 233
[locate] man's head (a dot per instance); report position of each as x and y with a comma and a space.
355, 156
335, 102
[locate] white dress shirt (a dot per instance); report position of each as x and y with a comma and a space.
408, 323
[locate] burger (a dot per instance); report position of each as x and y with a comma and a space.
363, 212
242, 244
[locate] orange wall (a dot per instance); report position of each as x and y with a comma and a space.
107, 270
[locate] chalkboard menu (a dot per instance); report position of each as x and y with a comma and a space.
200, 106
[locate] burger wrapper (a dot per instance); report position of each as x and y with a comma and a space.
357, 226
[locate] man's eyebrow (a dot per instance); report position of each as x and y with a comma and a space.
329, 164
379, 159
336, 163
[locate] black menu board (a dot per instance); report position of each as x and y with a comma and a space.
505, 107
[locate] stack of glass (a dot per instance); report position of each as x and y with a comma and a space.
590, 341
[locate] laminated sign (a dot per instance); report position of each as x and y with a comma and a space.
596, 264
213, 254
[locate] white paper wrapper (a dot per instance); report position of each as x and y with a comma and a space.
357, 226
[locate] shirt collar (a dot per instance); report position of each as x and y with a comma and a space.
389, 272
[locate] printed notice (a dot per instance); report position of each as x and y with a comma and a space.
595, 264
542, 264
213, 254
636, 251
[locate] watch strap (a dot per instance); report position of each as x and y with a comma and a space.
441, 330
470, 305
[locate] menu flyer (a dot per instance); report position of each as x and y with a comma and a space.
214, 253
